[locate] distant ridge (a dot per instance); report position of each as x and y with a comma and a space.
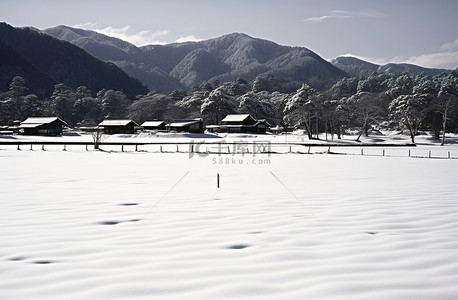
187, 65
360, 68
61, 62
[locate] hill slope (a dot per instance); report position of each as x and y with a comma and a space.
360, 68
186, 65
126, 56
66, 63
12, 64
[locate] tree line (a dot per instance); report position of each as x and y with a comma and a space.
392, 101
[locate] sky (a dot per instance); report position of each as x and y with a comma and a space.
380, 31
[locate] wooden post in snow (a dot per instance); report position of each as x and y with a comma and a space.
217, 180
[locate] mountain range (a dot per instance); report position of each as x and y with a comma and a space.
83, 57
360, 68
44, 61
187, 65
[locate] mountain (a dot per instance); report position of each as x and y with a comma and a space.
126, 56
360, 68
12, 64
409, 68
187, 65
238, 55
354, 66
64, 62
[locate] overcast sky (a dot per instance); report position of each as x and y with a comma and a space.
414, 31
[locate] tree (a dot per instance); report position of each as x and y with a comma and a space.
18, 86
87, 111
409, 111
114, 103
62, 101
447, 100
152, 106
191, 104
363, 108
301, 108
217, 105
259, 106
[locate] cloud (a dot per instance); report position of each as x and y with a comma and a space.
188, 38
450, 46
438, 60
141, 38
86, 25
441, 60
341, 14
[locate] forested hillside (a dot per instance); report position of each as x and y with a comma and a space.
63, 62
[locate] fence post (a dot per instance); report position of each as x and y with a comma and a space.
43, 147
362, 151
136, 148
448, 154
31, 148
18, 147
161, 148
429, 154
65, 148
309, 150
409, 152
217, 180
383, 152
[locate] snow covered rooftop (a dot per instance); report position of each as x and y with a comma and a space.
39, 120
183, 123
152, 123
115, 122
235, 117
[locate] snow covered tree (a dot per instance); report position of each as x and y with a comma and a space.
424, 84
18, 86
62, 101
409, 111
301, 108
152, 106
363, 108
191, 104
217, 105
447, 101
114, 103
259, 106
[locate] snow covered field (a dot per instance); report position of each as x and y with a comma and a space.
82, 224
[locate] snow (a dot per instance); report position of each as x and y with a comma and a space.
80, 224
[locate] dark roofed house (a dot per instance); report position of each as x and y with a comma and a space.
42, 126
243, 123
118, 126
192, 126
154, 125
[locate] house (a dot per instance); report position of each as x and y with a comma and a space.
243, 123
192, 126
42, 126
118, 126
154, 125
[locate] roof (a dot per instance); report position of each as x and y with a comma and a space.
235, 118
29, 125
37, 121
184, 123
152, 123
116, 122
